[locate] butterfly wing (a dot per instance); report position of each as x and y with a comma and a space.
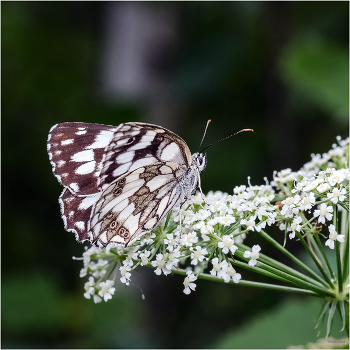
138, 144
76, 213
76, 152
135, 203
87, 158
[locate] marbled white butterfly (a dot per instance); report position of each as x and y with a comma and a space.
120, 181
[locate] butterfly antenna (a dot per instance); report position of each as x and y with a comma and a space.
205, 131
225, 138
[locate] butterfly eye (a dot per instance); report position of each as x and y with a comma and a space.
201, 161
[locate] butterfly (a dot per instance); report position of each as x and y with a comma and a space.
119, 182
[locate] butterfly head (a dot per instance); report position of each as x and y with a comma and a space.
200, 160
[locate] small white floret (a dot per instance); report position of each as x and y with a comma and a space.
253, 255
333, 236
188, 282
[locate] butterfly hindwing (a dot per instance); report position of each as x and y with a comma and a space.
135, 203
76, 152
76, 213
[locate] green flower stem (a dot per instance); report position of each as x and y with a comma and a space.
111, 266
345, 252
292, 257
320, 202
277, 274
314, 259
337, 250
269, 261
103, 256
345, 232
278, 197
237, 234
208, 277
319, 249
135, 266
167, 220
259, 270
346, 307
323, 252
318, 252
205, 265
307, 222
344, 229
340, 276
346, 207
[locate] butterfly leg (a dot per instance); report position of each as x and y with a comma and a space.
200, 189
180, 221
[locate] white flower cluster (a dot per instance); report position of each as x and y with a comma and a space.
97, 271
337, 158
214, 226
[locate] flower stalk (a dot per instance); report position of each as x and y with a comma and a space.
208, 277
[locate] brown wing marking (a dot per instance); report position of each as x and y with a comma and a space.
71, 146
132, 207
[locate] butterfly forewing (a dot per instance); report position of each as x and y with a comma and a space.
76, 152
139, 144
135, 203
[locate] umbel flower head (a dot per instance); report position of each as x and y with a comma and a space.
307, 205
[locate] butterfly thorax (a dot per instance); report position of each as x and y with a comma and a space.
189, 180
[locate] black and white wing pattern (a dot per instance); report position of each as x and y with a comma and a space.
76, 152
92, 160
135, 203
138, 144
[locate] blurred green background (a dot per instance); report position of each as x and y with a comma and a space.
281, 68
